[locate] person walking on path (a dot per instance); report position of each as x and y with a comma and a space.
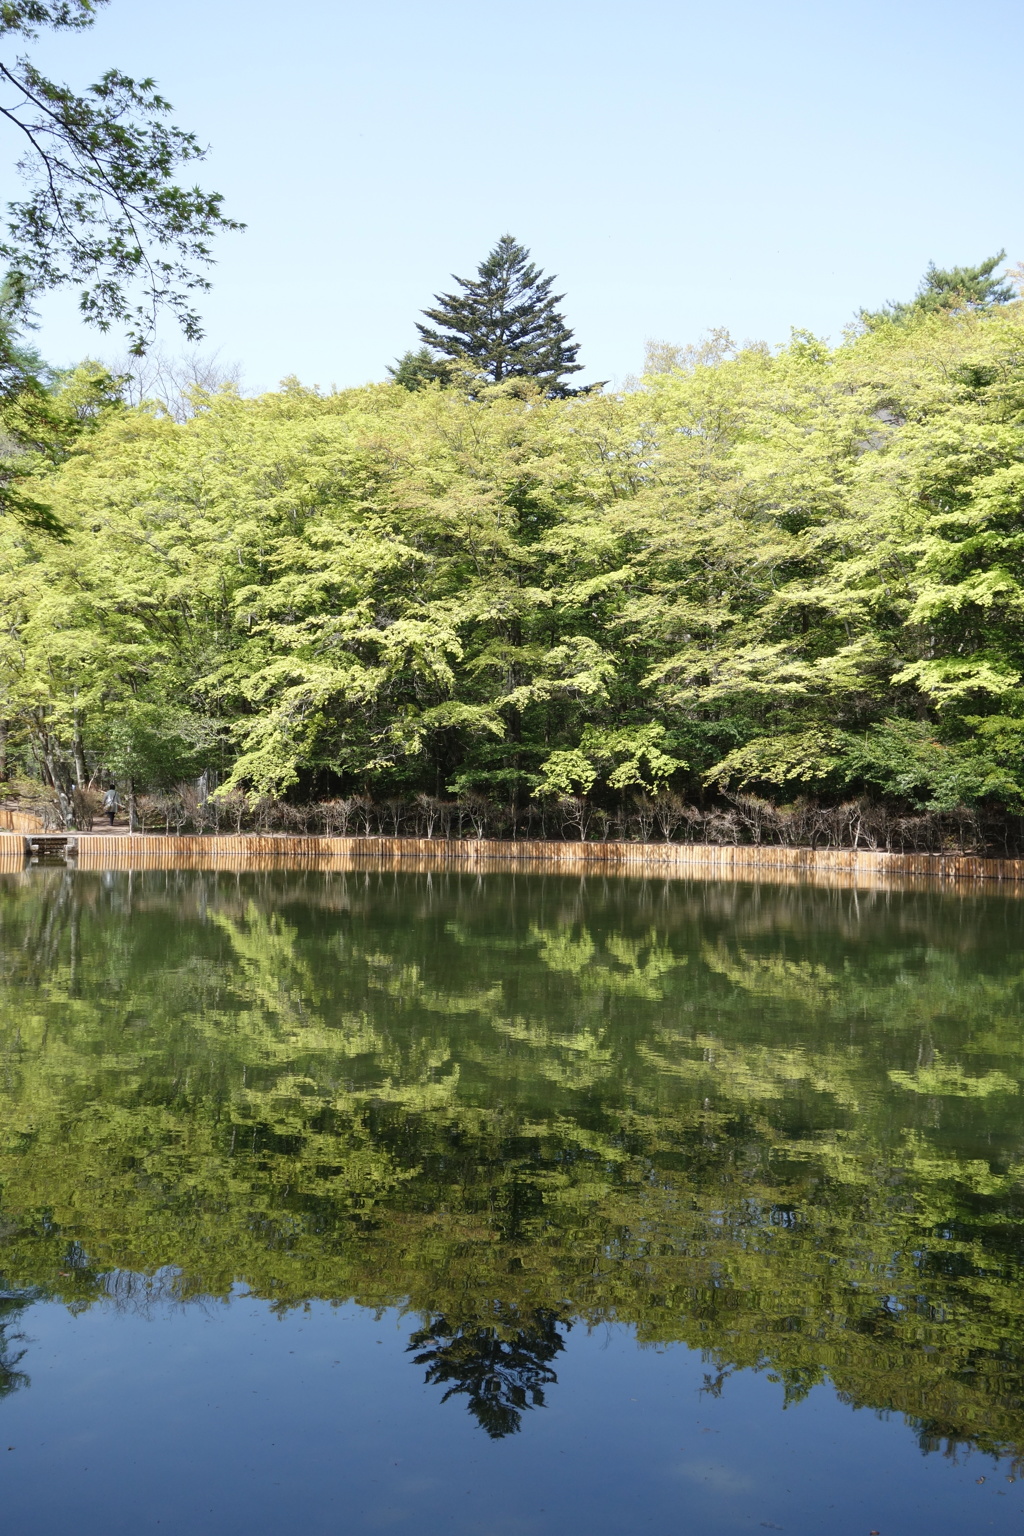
111, 804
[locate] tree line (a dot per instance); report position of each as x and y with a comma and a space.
764, 594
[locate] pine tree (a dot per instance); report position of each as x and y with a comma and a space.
415, 370
505, 323
948, 289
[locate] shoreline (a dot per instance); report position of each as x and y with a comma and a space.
117, 850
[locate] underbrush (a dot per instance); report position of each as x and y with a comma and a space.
743, 820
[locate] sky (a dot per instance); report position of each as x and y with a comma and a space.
678, 166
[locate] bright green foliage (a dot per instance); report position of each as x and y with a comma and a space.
796, 572
42, 413
505, 323
626, 757
44, 418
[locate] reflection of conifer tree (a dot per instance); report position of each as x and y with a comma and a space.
502, 1367
10, 1377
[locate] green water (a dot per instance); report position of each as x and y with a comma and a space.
776, 1132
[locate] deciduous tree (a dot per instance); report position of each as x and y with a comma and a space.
104, 211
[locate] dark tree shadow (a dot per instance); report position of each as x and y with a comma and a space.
502, 1367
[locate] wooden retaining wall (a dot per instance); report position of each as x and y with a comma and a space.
19, 821
12, 854
860, 866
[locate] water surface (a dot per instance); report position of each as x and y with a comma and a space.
514, 1204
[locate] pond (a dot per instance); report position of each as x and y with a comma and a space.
370, 1202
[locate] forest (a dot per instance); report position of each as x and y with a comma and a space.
758, 594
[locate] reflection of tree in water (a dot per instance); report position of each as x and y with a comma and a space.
708, 1111
502, 1368
10, 1315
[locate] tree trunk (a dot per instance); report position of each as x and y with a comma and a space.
78, 747
60, 778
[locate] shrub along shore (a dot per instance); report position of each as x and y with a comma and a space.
666, 818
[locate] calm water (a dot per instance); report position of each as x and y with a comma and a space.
374, 1203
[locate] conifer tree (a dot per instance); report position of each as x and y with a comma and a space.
505, 324
415, 370
952, 288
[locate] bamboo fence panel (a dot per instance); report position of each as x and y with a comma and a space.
857, 866
19, 821
834, 866
12, 854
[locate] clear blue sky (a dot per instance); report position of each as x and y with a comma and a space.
677, 165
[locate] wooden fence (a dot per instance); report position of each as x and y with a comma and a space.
860, 866
19, 821
12, 854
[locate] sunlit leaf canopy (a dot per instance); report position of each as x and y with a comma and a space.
781, 1126
795, 574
